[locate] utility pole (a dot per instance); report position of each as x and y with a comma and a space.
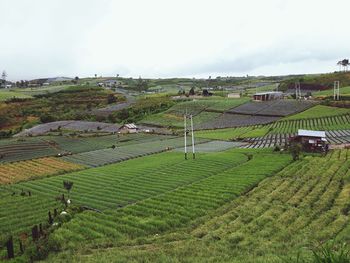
336, 90
297, 90
193, 151
185, 134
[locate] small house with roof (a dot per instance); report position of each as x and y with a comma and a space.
128, 128
311, 141
267, 95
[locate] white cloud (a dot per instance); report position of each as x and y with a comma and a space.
158, 38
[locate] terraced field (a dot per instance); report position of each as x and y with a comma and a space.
81, 144
344, 91
25, 170
233, 133
229, 120
12, 150
195, 107
273, 108
18, 149
168, 193
340, 122
177, 121
318, 111
122, 153
271, 140
281, 220
5, 95
203, 110
171, 210
83, 126
281, 128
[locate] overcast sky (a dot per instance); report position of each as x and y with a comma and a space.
162, 38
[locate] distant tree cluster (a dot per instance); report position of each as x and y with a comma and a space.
343, 64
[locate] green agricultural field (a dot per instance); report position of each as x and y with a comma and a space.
6, 95
43, 90
139, 198
203, 111
332, 122
251, 91
318, 111
177, 121
325, 93
289, 217
233, 133
339, 122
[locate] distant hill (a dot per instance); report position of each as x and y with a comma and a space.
317, 81
59, 79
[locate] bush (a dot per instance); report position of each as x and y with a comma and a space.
277, 148
45, 118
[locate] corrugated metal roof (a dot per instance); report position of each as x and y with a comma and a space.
310, 133
130, 126
269, 92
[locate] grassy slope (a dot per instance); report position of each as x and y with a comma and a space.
5, 95
154, 184
318, 111
282, 219
233, 133
343, 91
173, 117
42, 90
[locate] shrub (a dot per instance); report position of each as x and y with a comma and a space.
44, 118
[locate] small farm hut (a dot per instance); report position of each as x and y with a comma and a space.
312, 141
233, 95
128, 128
268, 95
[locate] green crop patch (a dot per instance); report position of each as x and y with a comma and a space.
287, 218
140, 197
318, 111
6, 95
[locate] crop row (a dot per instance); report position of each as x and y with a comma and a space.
273, 108
24, 170
25, 150
195, 107
306, 204
12, 150
79, 144
326, 123
107, 187
228, 120
122, 153
280, 220
171, 209
271, 140
279, 128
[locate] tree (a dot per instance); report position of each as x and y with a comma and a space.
141, 84
191, 93
3, 77
46, 117
343, 63
76, 79
68, 186
95, 75
111, 99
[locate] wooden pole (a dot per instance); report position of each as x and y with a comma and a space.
185, 136
193, 151
9, 246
